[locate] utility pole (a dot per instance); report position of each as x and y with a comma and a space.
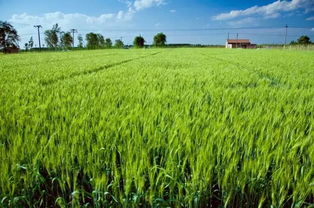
286, 34
237, 39
73, 31
228, 37
38, 27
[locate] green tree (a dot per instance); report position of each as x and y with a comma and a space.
304, 40
26, 46
31, 43
8, 36
139, 42
80, 40
52, 36
160, 39
101, 40
67, 40
118, 44
92, 41
108, 43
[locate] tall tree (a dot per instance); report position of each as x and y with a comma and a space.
31, 42
26, 46
118, 44
8, 36
304, 40
139, 42
52, 38
160, 39
67, 40
101, 41
92, 41
108, 43
80, 40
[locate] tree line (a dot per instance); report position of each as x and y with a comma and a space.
55, 38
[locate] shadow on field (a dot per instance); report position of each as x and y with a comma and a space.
108, 66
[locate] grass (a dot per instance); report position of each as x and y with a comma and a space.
157, 128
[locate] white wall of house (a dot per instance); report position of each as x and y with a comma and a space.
228, 45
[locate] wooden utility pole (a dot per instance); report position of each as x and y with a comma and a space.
286, 34
38, 27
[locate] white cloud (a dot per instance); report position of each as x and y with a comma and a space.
268, 11
69, 19
312, 29
144, 4
310, 18
79, 19
172, 11
243, 22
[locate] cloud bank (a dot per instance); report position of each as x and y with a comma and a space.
77, 19
272, 10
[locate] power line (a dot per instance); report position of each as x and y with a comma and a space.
191, 29
38, 27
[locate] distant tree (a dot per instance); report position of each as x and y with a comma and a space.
160, 39
293, 42
52, 36
139, 42
108, 43
8, 36
92, 41
304, 40
101, 40
80, 40
67, 40
31, 43
26, 46
118, 44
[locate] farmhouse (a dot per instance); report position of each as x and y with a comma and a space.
239, 43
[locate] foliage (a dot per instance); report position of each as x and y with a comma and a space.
80, 39
101, 41
67, 40
139, 42
26, 46
118, 44
160, 39
8, 36
157, 128
304, 40
31, 42
95, 41
51, 36
108, 43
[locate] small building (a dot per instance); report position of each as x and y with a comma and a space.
239, 43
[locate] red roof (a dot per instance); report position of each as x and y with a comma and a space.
230, 41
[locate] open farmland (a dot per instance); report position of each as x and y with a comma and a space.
157, 127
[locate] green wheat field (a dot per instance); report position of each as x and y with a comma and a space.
157, 128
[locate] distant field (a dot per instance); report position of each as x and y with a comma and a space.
157, 128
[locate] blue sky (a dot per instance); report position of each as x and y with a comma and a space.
193, 21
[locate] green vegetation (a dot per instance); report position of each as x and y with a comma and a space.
157, 127
139, 42
8, 36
